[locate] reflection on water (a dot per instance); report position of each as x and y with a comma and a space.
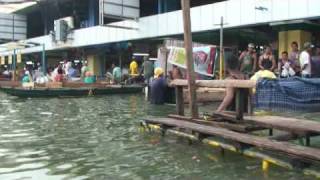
98, 138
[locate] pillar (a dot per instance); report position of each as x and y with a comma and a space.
160, 9
94, 64
287, 37
283, 42
92, 13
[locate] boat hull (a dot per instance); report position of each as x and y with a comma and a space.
70, 92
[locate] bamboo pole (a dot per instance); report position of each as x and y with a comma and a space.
185, 4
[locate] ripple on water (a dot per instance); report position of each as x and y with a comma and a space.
97, 138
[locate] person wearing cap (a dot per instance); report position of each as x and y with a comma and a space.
305, 60
158, 87
248, 60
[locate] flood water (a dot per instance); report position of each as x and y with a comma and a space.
99, 138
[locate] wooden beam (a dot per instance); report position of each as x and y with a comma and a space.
239, 103
217, 83
292, 125
286, 124
185, 4
179, 101
227, 125
307, 154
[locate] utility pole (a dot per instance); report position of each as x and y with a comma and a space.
185, 4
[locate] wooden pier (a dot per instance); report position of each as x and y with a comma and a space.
240, 128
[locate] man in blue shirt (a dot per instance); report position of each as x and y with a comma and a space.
158, 87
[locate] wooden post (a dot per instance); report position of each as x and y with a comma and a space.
43, 60
14, 65
165, 51
179, 100
250, 106
222, 69
239, 103
185, 4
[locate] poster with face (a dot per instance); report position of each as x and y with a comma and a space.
203, 57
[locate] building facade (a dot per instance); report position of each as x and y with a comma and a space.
113, 24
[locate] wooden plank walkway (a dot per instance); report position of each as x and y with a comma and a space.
295, 126
307, 153
285, 124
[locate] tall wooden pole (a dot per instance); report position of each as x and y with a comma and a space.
222, 69
185, 4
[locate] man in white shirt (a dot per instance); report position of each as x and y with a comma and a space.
305, 60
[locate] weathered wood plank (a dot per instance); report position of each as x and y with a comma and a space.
293, 125
286, 124
217, 83
234, 127
307, 153
231, 126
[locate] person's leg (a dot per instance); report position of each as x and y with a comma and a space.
227, 100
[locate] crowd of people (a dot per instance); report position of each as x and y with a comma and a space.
295, 63
66, 71
291, 64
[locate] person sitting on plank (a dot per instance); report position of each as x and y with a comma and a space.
232, 65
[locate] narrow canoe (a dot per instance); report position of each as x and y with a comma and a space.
71, 92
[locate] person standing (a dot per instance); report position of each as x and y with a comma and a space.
158, 87
294, 56
316, 63
305, 60
248, 60
267, 60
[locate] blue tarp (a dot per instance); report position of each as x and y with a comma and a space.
295, 94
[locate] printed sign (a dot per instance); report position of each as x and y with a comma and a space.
203, 57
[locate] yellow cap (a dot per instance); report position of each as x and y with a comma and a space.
158, 72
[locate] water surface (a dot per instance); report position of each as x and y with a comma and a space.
98, 138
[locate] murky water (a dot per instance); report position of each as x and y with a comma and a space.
98, 138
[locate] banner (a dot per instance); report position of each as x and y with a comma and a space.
203, 57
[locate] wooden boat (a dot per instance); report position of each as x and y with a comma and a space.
71, 91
